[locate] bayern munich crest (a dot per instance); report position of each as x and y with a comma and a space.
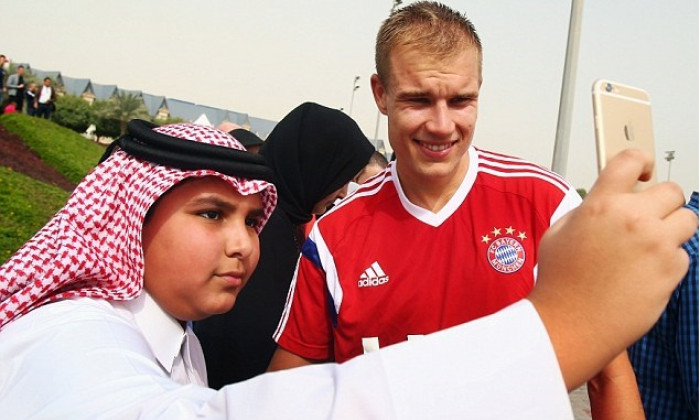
505, 253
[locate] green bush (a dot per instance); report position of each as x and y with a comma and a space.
105, 119
72, 112
68, 152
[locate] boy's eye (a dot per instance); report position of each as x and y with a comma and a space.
211, 214
252, 222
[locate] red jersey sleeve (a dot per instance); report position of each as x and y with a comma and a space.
305, 326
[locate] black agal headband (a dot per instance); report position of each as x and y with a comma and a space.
142, 142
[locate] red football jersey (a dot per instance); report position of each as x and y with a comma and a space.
378, 269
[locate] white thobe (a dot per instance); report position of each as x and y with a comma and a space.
91, 359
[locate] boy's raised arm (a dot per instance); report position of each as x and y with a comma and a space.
608, 268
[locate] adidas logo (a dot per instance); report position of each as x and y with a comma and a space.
373, 276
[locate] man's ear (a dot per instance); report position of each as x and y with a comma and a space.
379, 92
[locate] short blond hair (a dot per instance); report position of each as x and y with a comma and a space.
430, 26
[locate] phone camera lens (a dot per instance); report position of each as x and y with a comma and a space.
608, 87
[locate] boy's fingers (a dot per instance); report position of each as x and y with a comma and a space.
681, 224
662, 199
622, 172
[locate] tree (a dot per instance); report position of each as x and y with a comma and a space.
169, 120
128, 107
113, 115
73, 112
106, 123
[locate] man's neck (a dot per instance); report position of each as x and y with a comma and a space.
433, 193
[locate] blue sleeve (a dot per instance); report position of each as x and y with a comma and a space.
687, 333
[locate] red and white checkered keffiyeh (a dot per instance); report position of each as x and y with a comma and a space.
92, 246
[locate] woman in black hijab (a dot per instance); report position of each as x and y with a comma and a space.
314, 152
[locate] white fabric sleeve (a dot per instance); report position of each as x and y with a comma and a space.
499, 367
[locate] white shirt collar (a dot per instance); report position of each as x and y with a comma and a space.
163, 333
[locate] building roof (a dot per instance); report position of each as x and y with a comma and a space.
239, 118
27, 66
261, 127
187, 111
41, 74
214, 115
76, 87
203, 120
153, 103
182, 109
104, 92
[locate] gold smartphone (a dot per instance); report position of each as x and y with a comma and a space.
622, 117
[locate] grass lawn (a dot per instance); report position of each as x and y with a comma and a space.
25, 206
67, 151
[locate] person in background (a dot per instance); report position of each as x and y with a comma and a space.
30, 99
46, 100
228, 126
248, 139
468, 222
10, 108
15, 88
665, 360
3, 89
314, 152
377, 163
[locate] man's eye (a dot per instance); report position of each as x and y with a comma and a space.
462, 101
211, 214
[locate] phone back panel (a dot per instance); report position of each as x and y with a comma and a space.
623, 120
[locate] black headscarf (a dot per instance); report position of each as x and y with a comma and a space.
313, 151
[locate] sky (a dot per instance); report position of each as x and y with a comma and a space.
266, 57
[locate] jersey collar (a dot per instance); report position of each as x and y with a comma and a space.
436, 219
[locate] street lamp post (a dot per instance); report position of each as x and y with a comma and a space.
670, 155
355, 86
561, 141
